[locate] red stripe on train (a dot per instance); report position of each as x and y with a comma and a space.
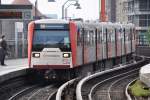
73, 37
30, 38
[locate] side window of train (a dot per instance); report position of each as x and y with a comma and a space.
134, 33
86, 37
109, 33
90, 37
129, 34
126, 34
104, 34
99, 36
119, 32
122, 33
79, 37
93, 35
113, 35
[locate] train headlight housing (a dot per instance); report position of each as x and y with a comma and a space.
36, 55
66, 55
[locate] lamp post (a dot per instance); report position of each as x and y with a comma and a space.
35, 9
64, 6
77, 7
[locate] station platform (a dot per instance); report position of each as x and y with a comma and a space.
13, 68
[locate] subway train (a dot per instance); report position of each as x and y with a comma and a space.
61, 49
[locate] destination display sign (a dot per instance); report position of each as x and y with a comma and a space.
51, 26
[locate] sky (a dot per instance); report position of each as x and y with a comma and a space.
89, 8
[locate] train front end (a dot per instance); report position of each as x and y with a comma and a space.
49, 45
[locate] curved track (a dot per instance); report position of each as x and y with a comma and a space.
108, 85
113, 89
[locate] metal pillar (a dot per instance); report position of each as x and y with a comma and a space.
103, 13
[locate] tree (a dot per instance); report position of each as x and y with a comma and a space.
148, 35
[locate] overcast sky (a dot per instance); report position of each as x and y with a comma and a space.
90, 8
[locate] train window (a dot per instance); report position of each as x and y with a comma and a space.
51, 39
86, 37
99, 36
109, 35
79, 37
104, 35
134, 33
122, 34
126, 34
113, 35
92, 37
118, 35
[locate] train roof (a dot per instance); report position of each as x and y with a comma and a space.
56, 21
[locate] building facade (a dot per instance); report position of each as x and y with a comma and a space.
121, 10
14, 21
111, 10
138, 12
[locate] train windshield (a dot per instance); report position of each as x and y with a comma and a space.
51, 39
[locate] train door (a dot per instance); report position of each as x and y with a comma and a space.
99, 45
104, 42
111, 41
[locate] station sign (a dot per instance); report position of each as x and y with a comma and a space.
23, 12
10, 14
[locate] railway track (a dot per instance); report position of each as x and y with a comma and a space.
28, 88
108, 85
9, 87
36, 92
113, 88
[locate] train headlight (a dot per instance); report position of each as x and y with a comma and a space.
36, 55
66, 55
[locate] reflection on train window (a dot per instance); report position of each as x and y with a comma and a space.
104, 35
51, 39
86, 37
79, 37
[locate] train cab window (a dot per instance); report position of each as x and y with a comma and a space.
51, 39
